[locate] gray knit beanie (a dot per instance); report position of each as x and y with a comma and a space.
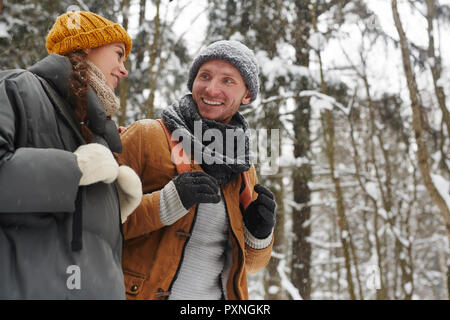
234, 52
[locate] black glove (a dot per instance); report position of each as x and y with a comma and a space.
196, 187
259, 217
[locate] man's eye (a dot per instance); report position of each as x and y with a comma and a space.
228, 81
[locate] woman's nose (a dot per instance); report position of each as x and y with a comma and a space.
123, 71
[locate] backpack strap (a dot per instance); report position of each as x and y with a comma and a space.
245, 198
183, 164
180, 159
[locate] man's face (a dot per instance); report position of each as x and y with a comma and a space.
219, 90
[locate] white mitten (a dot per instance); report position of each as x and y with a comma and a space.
96, 163
129, 187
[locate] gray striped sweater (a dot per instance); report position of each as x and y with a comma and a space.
206, 262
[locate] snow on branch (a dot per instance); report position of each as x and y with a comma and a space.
4, 31
320, 101
442, 186
286, 283
317, 41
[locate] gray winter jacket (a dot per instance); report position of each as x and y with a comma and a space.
39, 180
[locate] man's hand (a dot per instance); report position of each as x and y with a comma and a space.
259, 217
196, 187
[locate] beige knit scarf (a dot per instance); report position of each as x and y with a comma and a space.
97, 81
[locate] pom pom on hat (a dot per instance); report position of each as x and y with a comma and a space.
82, 30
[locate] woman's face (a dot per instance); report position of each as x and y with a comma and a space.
109, 59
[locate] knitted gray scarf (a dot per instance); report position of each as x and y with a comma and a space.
221, 149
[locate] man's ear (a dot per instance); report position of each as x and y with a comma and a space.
247, 98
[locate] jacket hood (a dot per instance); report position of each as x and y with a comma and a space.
57, 70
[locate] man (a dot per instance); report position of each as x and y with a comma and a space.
193, 236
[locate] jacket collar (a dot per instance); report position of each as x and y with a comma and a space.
57, 70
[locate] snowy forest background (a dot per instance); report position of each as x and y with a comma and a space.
360, 93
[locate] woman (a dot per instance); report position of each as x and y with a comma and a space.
60, 216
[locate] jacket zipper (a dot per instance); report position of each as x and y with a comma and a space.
182, 252
239, 268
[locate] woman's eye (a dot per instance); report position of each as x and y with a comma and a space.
228, 81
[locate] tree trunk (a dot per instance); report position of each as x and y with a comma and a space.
272, 282
422, 152
328, 133
272, 274
382, 292
406, 261
436, 66
328, 136
301, 248
124, 86
336, 252
152, 78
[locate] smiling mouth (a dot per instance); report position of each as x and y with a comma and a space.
117, 79
211, 103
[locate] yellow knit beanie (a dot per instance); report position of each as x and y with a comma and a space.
83, 30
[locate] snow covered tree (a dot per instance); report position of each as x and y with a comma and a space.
431, 181
159, 61
25, 24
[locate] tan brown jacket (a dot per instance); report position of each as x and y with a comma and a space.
153, 252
